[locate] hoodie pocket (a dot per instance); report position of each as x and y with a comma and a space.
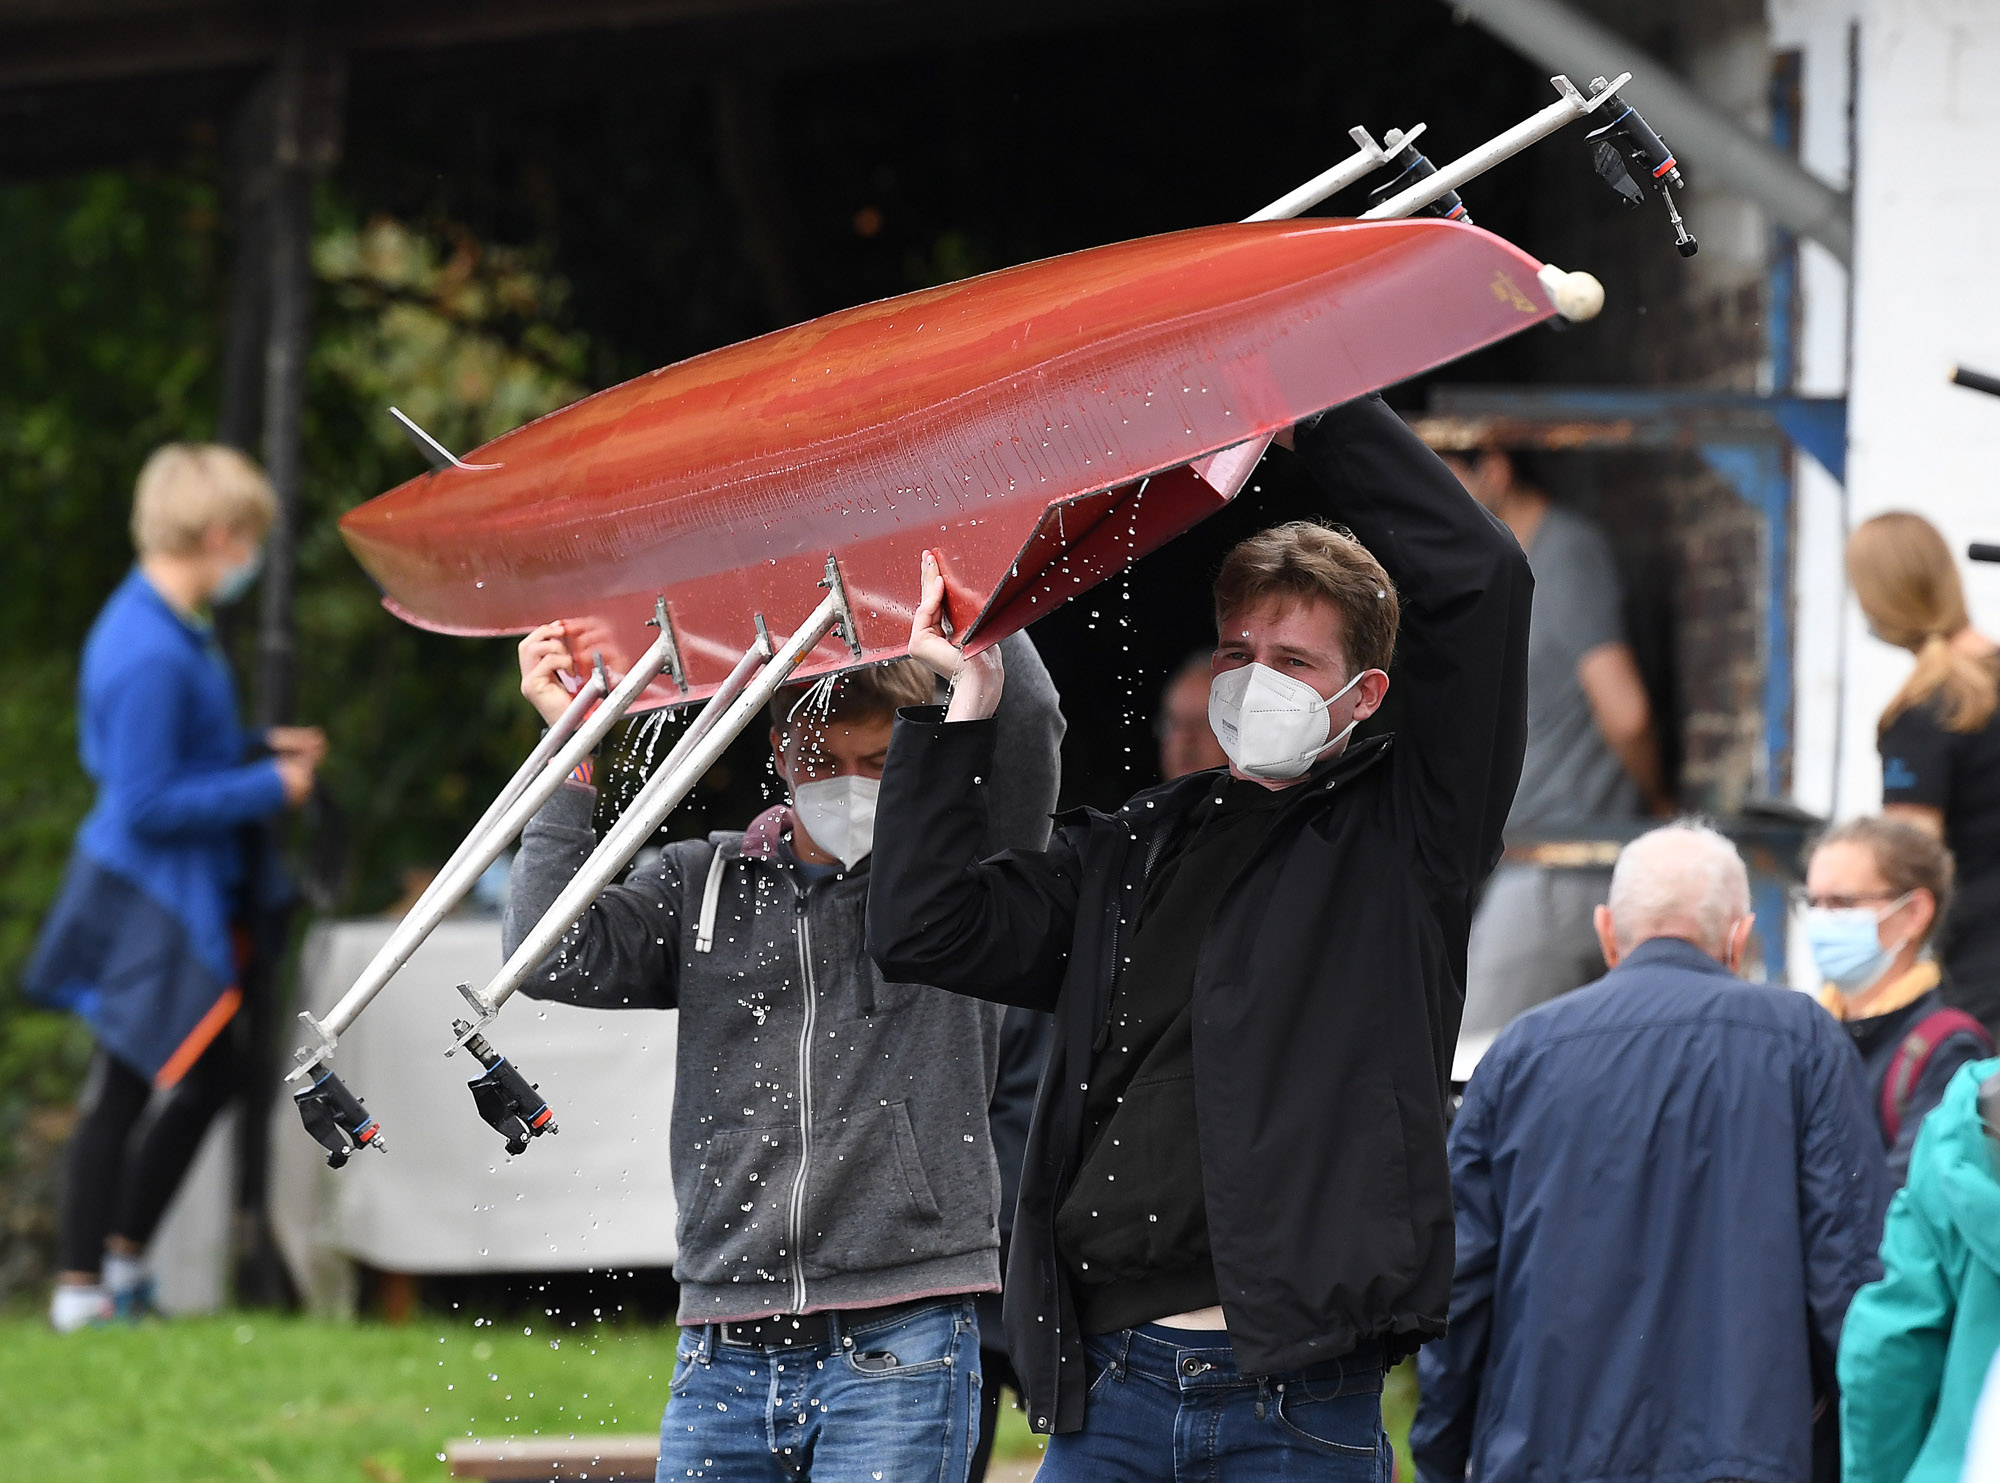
733, 1225
871, 1201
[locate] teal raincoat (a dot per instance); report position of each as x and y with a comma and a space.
1917, 1344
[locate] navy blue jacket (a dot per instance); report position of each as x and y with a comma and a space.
1668, 1188
139, 941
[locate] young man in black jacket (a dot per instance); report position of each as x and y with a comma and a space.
1236, 1208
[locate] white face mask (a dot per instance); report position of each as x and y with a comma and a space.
839, 814
1270, 725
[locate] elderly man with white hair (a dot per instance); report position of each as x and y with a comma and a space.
1668, 1188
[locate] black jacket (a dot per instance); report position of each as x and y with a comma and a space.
1880, 1038
1328, 991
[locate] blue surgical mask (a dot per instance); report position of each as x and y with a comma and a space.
1846, 947
236, 581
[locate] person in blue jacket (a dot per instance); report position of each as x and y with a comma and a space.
1668, 1189
141, 940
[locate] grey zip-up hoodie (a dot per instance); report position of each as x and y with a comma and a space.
830, 1145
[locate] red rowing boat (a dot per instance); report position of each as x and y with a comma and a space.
1040, 427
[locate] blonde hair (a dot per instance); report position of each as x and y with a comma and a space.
1907, 584
187, 488
1304, 561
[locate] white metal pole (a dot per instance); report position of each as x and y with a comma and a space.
661, 795
1570, 105
1714, 142
1370, 156
558, 732
472, 858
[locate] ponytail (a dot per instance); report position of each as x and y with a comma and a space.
1907, 584
1965, 690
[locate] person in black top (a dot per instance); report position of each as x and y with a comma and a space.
1940, 735
1141, 1165
1236, 1208
1875, 889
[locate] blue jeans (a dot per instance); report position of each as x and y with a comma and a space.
1169, 1404
895, 1400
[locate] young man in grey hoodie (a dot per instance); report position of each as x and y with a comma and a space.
837, 1192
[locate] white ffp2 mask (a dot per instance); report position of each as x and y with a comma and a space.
839, 814
1270, 725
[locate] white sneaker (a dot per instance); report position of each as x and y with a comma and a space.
72, 1308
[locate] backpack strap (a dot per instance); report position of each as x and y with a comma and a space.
1907, 1066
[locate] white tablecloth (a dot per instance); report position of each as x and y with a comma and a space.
445, 1197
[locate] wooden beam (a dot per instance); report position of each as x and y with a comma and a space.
130, 39
536, 1459
222, 35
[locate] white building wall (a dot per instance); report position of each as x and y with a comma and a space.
1818, 30
1926, 297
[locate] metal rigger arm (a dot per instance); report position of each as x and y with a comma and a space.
333, 1115
505, 1098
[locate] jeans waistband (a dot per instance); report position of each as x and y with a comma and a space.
1193, 1359
829, 1329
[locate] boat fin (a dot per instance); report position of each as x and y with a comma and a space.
440, 457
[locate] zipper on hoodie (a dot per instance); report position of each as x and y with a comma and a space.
797, 1222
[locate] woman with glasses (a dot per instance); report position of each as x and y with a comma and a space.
1940, 735
1875, 891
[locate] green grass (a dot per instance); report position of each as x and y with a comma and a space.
252, 1398
1399, 1409
260, 1399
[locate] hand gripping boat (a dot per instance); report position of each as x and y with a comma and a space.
1039, 428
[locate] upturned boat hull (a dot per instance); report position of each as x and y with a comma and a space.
1040, 428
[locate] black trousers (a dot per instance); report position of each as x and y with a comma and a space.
124, 1166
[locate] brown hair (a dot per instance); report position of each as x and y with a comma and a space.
1305, 561
855, 694
1907, 857
185, 488
1907, 584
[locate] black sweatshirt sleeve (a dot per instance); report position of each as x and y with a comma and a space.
1462, 647
995, 929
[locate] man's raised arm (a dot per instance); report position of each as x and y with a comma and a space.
625, 952
1462, 649
938, 913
